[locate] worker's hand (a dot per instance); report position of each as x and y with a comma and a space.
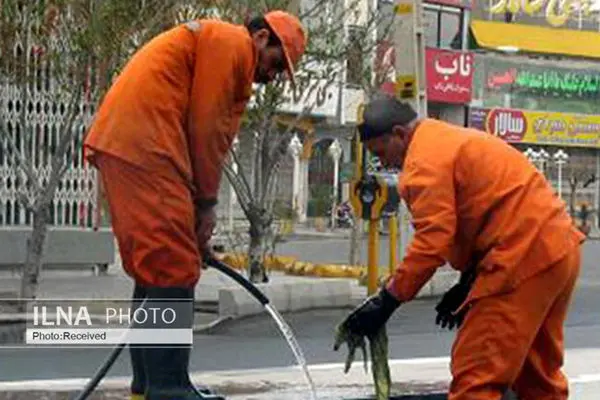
206, 221
451, 301
353, 341
368, 318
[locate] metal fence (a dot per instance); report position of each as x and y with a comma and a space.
76, 199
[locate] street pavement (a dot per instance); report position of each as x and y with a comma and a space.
256, 343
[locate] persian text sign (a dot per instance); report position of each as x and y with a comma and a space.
545, 81
538, 127
449, 75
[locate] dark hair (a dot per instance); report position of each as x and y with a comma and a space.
258, 23
382, 114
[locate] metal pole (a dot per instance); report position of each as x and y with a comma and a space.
335, 151
232, 195
393, 221
336, 167
372, 261
597, 191
560, 180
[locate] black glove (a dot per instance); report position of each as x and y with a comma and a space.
368, 318
452, 299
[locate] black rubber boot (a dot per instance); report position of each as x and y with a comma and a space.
138, 383
167, 376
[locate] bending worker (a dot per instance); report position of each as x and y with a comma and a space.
480, 205
159, 140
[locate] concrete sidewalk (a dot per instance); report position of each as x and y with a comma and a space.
417, 375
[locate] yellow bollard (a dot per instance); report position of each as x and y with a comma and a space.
393, 228
372, 261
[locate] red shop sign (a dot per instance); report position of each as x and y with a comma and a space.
449, 75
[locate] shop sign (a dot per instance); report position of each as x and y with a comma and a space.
449, 75
552, 82
554, 13
538, 127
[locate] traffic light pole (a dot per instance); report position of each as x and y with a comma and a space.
411, 85
369, 194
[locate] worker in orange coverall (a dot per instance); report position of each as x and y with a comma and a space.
159, 141
480, 205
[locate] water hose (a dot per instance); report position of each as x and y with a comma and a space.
105, 367
239, 278
112, 357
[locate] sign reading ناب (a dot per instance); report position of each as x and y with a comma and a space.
449, 75
538, 127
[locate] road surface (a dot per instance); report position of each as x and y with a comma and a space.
256, 343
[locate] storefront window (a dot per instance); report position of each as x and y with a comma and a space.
443, 26
450, 32
431, 21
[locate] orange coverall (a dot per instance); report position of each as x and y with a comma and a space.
470, 192
160, 138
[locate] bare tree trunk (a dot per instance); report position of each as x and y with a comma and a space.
35, 249
355, 235
256, 267
572, 197
33, 265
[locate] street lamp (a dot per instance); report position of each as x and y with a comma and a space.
543, 156
295, 147
560, 158
232, 195
335, 151
531, 154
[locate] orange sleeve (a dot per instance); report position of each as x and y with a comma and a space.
221, 88
429, 192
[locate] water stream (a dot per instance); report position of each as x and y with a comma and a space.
288, 334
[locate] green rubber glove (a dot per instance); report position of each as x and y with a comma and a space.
354, 342
378, 347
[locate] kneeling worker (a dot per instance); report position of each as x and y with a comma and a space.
480, 205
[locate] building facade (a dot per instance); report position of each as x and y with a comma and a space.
448, 63
536, 84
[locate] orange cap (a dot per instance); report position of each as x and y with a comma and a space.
291, 34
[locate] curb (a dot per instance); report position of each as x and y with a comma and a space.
211, 327
236, 302
292, 266
443, 279
343, 288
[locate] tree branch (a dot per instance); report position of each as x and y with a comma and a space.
58, 166
245, 201
589, 181
18, 158
275, 166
